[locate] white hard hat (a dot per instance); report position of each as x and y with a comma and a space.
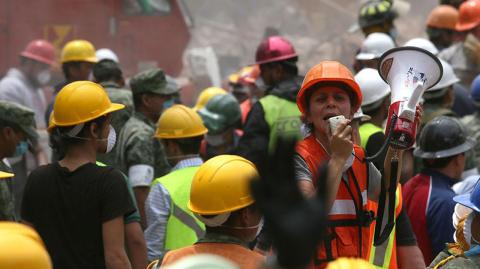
104, 53
423, 44
448, 77
372, 86
360, 116
374, 46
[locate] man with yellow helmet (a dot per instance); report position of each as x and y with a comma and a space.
220, 197
170, 224
77, 206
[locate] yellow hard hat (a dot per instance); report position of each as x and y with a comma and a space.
5, 175
349, 263
78, 51
206, 95
10, 227
81, 101
178, 122
21, 252
221, 185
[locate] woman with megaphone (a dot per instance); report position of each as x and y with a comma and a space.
328, 100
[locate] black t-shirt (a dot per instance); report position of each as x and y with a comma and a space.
68, 209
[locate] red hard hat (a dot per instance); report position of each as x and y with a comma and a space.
469, 15
40, 50
274, 49
329, 71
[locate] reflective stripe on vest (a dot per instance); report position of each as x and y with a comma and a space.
283, 118
183, 229
384, 256
346, 207
366, 130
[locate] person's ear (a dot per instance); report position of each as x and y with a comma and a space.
94, 130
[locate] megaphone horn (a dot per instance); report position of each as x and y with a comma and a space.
409, 71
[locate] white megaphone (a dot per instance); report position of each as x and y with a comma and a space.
409, 71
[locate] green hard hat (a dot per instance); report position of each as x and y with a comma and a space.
220, 113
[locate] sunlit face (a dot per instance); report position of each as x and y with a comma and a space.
327, 102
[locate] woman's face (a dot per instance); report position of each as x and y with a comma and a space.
327, 102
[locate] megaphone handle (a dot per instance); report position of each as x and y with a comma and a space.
417, 92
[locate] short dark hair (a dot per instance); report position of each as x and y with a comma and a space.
107, 70
438, 163
189, 145
60, 142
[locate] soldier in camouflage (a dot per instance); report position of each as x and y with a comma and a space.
108, 74
140, 156
17, 125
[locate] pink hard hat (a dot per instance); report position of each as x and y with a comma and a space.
40, 50
274, 49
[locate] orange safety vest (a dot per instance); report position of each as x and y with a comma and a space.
352, 214
242, 256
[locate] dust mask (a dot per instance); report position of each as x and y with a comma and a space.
111, 139
43, 77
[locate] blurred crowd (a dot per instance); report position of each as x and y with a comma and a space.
368, 164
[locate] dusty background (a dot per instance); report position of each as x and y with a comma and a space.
317, 28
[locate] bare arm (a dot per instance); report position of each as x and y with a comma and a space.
410, 257
136, 246
113, 232
141, 193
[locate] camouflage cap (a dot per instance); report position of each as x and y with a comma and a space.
152, 81
19, 116
172, 84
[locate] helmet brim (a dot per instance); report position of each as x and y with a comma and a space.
466, 146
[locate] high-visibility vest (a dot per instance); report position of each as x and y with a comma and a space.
366, 130
283, 118
183, 228
385, 255
352, 214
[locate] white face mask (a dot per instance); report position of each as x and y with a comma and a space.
43, 77
111, 139
467, 230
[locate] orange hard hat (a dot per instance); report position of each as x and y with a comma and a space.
329, 71
443, 17
468, 15
248, 75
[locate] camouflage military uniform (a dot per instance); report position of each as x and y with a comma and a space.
138, 152
136, 145
7, 203
22, 119
472, 124
449, 259
119, 118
